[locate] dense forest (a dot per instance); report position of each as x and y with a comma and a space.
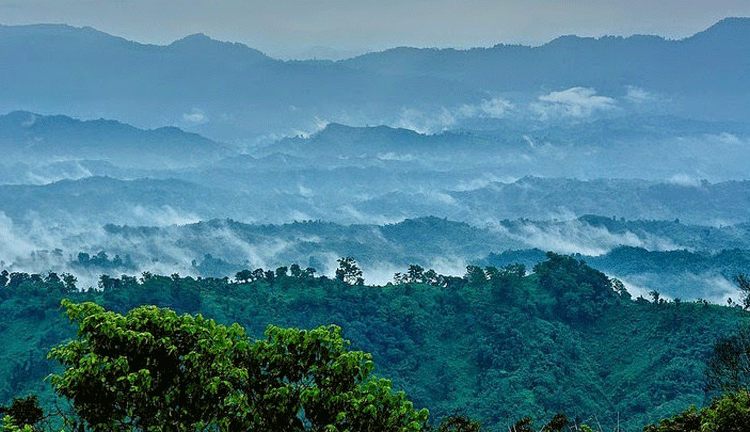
496, 344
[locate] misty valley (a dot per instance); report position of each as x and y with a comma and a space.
510, 231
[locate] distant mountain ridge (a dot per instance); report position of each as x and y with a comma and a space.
684, 148
86, 73
342, 141
717, 204
31, 137
604, 63
234, 92
732, 28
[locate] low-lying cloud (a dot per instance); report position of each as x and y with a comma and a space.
575, 236
684, 180
638, 95
195, 117
713, 288
162, 216
576, 102
445, 118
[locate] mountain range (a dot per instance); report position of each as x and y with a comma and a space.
32, 138
232, 92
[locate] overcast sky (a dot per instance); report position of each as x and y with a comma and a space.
294, 28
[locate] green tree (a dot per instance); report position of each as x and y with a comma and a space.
728, 365
579, 290
619, 288
258, 274
743, 284
23, 411
431, 277
459, 423
730, 413
475, 276
243, 276
506, 282
415, 274
70, 282
348, 272
154, 370
270, 276
281, 272
295, 270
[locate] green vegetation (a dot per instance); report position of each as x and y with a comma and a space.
153, 370
102, 261
496, 344
728, 367
23, 411
730, 413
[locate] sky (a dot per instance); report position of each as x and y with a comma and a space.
340, 28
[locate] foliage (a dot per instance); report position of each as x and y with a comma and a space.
576, 288
23, 411
743, 283
348, 272
728, 366
558, 422
9, 426
495, 350
459, 423
152, 369
730, 413
102, 261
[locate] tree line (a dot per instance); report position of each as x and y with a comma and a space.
498, 345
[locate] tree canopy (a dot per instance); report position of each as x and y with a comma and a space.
349, 272
152, 369
495, 351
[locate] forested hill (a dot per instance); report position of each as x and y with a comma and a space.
497, 344
33, 138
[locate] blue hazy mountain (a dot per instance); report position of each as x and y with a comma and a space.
677, 147
337, 141
230, 91
87, 73
102, 199
32, 138
706, 71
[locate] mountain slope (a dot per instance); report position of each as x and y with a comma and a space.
33, 138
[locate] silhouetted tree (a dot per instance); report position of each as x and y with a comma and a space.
415, 274
348, 272
743, 283
258, 274
243, 276
281, 272
728, 365
295, 270
655, 296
